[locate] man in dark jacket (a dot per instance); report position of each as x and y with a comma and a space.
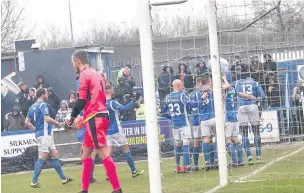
165, 80
185, 76
123, 95
273, 94
41, 83
23, 99
53, 102
15, 120
128, 79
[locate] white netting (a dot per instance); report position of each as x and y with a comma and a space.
267, 38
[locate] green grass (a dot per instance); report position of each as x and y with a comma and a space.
286, 175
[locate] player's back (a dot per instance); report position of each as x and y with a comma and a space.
250, 87
194, 111
92, 88
114, 126
231, 105
37, 112
176, 105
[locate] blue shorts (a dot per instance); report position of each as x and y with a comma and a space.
80, 134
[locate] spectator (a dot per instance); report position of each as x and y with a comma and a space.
15, 120
53, 102
257, 70
122, 90
298, 114
165, 80
32, 97
273, 94
72, 99
238, 68
2, 113
298, 93
140, 112
123, 95
128, 79
41, 83
64, 113
201, 68
23, 99
270, 68
185, 76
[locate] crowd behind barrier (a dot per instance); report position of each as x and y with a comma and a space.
282, 111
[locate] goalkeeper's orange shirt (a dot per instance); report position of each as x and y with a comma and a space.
92, 89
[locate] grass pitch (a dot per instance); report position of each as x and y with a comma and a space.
273, 176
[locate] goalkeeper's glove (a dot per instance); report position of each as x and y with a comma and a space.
68, 124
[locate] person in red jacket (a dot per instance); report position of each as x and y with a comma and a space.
92, 100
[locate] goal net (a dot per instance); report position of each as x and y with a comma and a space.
261, 50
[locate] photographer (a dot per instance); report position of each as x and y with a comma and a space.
273, 94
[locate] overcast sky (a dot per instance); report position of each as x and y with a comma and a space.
86, 13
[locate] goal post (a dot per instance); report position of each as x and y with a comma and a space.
217, 90
146, 51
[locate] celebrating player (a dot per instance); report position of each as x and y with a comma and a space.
39, 113
248, 92
207, 119
175, 108
231, 132
92, 99
196, 123
115, 134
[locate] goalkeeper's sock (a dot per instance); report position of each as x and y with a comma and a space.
37, 170
93, 167
258, 145
239, 149
246, 145
130, 161
57, 166
186, 155
206, 151
195, 156
178, 151
87, 167
232, 153
111, 172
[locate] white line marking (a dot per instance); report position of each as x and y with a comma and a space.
264, 180
267, 165
216, 188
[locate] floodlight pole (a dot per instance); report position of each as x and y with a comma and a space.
217, 91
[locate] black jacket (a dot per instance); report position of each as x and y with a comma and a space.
43, 84
165, 80
188, 78
23, 100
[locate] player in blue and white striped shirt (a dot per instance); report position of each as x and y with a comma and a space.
115, 134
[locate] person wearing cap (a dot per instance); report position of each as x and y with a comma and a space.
15, 120
41, 82
23, 99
